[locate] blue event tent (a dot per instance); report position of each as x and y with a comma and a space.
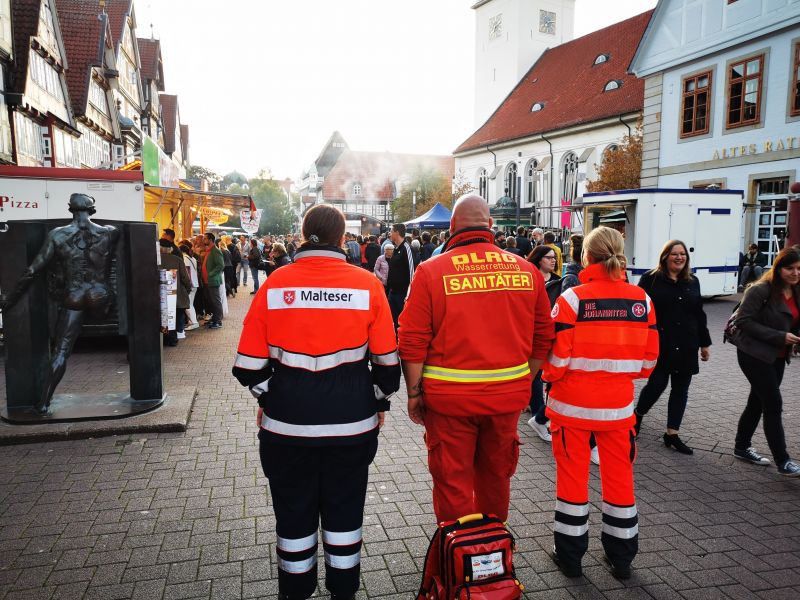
436, 218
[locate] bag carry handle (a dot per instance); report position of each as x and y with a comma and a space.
472, 517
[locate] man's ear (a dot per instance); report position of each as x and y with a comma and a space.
491, 222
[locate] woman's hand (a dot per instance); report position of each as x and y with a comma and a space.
791, 339
705, 354
259, 416
381, 419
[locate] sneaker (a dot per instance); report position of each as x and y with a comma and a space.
751, 456
191, 326
540, 429
215, 326
181, 335
595, 456
789, 468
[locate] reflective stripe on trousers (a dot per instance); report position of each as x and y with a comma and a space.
475, 375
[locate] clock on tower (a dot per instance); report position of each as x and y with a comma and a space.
547, 22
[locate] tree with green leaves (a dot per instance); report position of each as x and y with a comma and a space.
431, 186
197, 172
276, 212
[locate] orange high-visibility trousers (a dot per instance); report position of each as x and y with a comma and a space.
620, 533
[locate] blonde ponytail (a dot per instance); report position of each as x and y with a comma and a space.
607, 247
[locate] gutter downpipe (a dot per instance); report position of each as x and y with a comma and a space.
552, 159
626, 125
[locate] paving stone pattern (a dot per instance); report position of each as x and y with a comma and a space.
170, 516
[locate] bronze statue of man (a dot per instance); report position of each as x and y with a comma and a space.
80, 255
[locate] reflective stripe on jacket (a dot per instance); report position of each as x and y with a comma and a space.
606, 336
308, 339
474, 317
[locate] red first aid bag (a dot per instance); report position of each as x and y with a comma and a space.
471, 558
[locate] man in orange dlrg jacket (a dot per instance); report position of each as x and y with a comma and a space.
475, 326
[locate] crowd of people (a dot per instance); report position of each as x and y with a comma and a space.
494, 326
210, 270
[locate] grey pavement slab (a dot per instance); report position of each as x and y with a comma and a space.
187, 514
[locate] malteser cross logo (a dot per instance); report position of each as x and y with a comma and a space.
638, 310
288, 297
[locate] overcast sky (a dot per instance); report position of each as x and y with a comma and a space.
263, 83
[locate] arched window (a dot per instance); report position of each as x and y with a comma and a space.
609, 149
511, 181
569, 176
533, 192
483, 184
356, 189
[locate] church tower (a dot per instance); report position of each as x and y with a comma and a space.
511, 35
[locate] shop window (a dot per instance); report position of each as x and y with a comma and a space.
795, 89
745, 81
695, 105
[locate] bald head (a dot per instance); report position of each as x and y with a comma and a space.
470, 211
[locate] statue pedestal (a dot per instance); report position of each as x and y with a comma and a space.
81, 407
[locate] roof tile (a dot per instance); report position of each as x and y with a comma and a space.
571, 87
169, 117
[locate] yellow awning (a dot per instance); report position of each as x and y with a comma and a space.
195, 198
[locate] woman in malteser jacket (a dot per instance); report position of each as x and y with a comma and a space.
682, 335
766, 335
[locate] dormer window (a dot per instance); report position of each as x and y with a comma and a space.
602, 58
612, 85
537, 107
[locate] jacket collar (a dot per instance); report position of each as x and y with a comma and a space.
595, 272
471, 235
320, 252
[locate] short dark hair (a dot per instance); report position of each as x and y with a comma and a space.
426, 236
399, 228
549, 237
326, 223
170, 232
210, 236
511, 241
753, 246
520, 230
576, 247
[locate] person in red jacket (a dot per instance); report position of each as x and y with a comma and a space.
475, 326
606, 337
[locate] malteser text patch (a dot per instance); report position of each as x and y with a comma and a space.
487, 282
327, 298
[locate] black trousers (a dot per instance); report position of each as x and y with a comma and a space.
309, 484
678, 394
764, 400
213, 303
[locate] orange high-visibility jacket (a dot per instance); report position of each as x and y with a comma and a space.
475, 316
606, 337
308, 339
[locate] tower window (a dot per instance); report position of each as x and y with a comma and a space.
612, 85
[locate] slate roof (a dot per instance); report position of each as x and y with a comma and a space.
377, 173
84, 39
169, 117
150, 56
571, 87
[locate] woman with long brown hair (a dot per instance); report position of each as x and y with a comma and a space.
767, 325
682, 334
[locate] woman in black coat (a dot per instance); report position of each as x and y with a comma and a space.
682, 333
767, 333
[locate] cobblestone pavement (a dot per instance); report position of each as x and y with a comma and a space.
187, 515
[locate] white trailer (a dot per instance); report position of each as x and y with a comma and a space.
709, 222
43, 193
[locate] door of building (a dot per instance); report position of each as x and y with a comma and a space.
771, 215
